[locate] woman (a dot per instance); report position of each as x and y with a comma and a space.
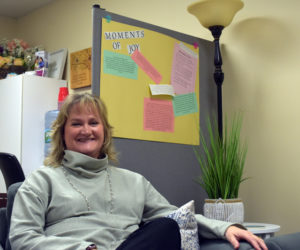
79, 201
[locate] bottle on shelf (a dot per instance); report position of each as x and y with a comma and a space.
63, 93
51, 116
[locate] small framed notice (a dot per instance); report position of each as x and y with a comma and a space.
81, 64
56, 63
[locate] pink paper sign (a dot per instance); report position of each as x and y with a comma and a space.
146, 66
158, 115
184, 70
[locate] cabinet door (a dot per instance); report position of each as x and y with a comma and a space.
10, 115
10, 119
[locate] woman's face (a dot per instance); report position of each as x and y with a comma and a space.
84, 131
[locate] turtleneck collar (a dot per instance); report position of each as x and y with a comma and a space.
84, 165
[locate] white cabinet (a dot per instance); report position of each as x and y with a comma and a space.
24, 100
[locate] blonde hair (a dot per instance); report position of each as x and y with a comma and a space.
57, 136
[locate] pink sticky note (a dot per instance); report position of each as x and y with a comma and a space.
146, 66
184, 70
158, 115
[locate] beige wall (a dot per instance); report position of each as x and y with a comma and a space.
61, 24
262, 80
260, 52
8, 27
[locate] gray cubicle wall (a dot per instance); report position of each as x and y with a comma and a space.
170, 167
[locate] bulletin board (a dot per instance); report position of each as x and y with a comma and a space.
149, 82
170, 167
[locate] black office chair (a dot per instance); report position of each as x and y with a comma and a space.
11, 169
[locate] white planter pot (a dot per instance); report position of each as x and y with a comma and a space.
231, 210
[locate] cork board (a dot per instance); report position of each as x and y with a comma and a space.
80, 62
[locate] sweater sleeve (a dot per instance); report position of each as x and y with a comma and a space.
157, 206
28, 222
212, 229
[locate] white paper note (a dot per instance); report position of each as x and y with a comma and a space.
162, 89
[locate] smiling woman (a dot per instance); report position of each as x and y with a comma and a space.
79, 201
81, 126
84, 132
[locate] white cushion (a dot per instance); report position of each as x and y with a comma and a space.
185, 218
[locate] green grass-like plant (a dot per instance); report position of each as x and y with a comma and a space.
221, 160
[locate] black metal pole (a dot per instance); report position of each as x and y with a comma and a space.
218, 74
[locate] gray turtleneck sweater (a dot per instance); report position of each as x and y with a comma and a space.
87, 201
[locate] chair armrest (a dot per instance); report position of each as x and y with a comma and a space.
222, 245
282, 242
286, 241
3, 227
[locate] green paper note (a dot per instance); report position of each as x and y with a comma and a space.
119, 65
185, 104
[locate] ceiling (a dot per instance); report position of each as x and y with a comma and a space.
19, 8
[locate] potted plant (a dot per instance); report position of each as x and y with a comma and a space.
222, 163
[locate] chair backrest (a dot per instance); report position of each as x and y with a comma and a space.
11, 169
5, 214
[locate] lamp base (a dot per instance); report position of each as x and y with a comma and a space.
216, 31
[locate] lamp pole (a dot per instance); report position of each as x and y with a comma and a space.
216, 31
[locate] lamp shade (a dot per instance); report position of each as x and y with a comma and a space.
215, 12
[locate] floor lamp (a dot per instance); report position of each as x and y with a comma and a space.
215, 15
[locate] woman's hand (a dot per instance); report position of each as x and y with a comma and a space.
234, 235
